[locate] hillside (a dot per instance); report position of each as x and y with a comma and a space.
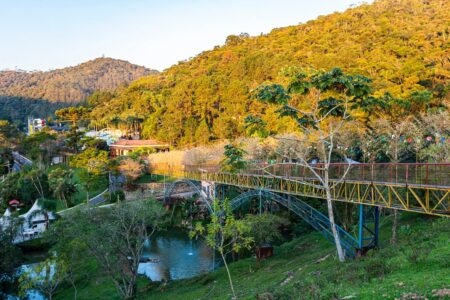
306, 268
17, 109
72, 84
403, 45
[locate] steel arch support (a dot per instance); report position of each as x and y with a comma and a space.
169, 190
310, 215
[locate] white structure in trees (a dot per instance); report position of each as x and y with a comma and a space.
34, 222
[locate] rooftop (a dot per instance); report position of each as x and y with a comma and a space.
139, 143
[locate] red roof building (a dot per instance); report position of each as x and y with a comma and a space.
125, 147
14, 203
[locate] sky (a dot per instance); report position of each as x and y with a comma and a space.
50, 34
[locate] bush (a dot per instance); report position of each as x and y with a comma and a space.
117, 196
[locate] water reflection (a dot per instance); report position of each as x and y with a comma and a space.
176, 257
173, 255
31, 294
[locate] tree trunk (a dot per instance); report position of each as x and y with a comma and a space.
131, 290
46, 220
394, 228
75, 293
229, 274
64, 200
132, 286
336, 237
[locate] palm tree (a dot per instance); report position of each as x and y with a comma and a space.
61, 184
36, 177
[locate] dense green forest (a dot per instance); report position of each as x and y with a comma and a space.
402, 45
39, 94
17, 109
72, 84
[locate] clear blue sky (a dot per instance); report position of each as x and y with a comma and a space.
49, 34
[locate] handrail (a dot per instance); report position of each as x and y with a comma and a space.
421, 174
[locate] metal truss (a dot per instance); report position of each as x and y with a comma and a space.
432, 200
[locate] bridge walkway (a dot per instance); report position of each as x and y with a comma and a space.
420, 188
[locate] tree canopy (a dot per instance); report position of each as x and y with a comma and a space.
401, 45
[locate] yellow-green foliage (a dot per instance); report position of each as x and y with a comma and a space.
403, 45
211, 154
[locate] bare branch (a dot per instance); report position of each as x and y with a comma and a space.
335, 183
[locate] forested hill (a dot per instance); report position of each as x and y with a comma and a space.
403, 45
72, 84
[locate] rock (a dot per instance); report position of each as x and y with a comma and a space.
442, 293
290, 275
322, 259
412, 296
265, 296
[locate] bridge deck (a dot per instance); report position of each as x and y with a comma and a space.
421, 188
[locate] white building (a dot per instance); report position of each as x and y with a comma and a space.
34, 223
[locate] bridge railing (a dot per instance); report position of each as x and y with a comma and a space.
393, 173
417, 174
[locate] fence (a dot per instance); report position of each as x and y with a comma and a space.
414, 174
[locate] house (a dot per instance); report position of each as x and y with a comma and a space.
125, 147
35, 125
34, 222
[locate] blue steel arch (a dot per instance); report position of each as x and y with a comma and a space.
310, 215
168, 191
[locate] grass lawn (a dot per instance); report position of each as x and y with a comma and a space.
307, 268
99, 185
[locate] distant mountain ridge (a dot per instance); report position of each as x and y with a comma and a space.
71, 84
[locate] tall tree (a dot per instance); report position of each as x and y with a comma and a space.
61, 183
72, 114
46, 277
224, 234
131, 168
319, 103
10, 253
114, 237
265, 229
234, 159
93, 164
40, 147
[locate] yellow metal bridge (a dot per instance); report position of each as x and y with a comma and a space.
421, 188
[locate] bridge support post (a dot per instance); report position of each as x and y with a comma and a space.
260, 202
210, 189
368, 228
361, 227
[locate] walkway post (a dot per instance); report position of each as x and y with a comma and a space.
260, 202
361, 228
372, 233
376, 224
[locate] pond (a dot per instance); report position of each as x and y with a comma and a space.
172, 254
176, 256
31, 294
